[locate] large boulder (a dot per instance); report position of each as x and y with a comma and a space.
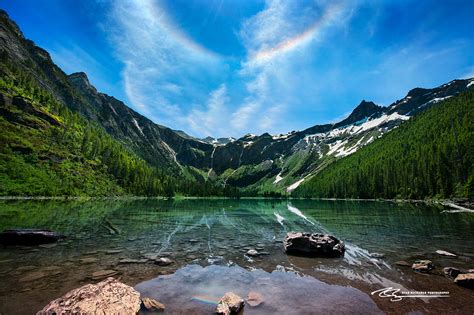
107, 297
28, 237
313, 245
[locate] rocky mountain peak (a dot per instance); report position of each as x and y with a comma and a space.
6, 21
364, 110
81, 81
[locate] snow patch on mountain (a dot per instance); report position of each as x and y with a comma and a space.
135, 122
294, 185
277, 179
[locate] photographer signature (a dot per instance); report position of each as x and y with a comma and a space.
397, 295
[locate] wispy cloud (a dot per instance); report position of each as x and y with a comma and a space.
166, 74
280, 41
160, 60
210, 121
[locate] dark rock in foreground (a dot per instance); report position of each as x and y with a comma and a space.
107, 297
452, 272
313, 245
465, 280
28, 237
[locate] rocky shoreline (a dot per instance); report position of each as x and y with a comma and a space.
112, 296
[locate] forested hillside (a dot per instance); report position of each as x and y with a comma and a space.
48, 150
431, 155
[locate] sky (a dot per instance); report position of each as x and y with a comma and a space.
231, 67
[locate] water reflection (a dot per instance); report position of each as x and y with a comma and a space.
195, 290
103, 234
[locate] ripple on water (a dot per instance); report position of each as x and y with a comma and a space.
195, 289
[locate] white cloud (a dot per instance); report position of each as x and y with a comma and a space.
166, 74
160, 61
211, 121
279, 42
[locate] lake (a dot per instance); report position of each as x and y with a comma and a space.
207, 240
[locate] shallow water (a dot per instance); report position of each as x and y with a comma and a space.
122, 235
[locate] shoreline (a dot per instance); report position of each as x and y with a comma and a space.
458, 205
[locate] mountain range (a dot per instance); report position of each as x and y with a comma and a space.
253, 164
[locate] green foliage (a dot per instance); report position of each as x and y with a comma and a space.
49, 150
431, 155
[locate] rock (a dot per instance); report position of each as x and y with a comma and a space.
50, 245
132, 261
152, 305
254, 299
26, 268
28, 237
113, 251
230, 303
313, 245
445, 253
451, 272
163, 261
107, 297
402, 263
32, 276
465, 280
151, 256
88, 260
377, 255
422, 265
103, 274
252, 252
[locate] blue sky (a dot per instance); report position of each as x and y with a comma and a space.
226, 68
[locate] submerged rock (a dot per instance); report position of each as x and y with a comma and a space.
32, 276
313, 245
445, 253
152, 305
402, 263
377, 255
451, 272
107, 297
229, 304
132, 261
254, 299
103, 274
465, 280
163, 261
422, 265
88, 260
28, 237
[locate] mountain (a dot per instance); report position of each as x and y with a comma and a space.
264, 164
60, 136
158, 145
254, 164
218, 141
429, 156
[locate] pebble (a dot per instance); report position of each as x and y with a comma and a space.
252, 252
